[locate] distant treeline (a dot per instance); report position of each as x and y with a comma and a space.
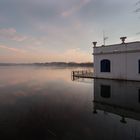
61, 64
70, 64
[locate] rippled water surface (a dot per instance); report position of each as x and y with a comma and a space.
45, 103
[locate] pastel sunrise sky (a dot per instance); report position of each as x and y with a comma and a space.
63, 30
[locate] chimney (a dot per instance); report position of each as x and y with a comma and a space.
123, 39
94, 43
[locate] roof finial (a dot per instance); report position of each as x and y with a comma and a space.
94, 43
123, 39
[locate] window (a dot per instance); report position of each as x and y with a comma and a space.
139, 66
105, 65
105, 91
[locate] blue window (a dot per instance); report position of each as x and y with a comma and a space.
105, 65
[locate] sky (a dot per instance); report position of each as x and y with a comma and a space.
63, 30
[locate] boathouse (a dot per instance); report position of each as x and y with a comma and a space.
117, 61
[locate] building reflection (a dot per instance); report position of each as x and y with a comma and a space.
117, 97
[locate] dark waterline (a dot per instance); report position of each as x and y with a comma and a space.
39, 103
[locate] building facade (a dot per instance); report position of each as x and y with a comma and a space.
118, 61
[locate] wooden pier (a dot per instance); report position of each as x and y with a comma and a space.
83, 74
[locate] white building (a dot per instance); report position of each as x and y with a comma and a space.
118, 61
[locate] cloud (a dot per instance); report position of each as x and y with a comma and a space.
138, 33
74, 8
138, 2
11, 34
54, 29
137, 10
12, 49
70, 55
76, 55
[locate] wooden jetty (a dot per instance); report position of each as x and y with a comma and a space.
83, 74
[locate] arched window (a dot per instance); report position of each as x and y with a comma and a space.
139, 66
105, 65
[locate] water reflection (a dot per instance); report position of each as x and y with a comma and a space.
105, 91
118, 97
44, 103
116, 110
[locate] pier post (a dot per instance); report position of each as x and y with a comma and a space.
73, 73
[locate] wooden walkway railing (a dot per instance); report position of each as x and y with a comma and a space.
83, 74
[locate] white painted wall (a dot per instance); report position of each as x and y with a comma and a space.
124, 61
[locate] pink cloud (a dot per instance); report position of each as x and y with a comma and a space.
75, 55
12, 49
11, 34
75, 8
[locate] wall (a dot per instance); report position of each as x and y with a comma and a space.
124, 61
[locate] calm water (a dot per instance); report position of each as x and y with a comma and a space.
43, 103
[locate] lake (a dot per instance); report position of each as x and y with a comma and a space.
46, 103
